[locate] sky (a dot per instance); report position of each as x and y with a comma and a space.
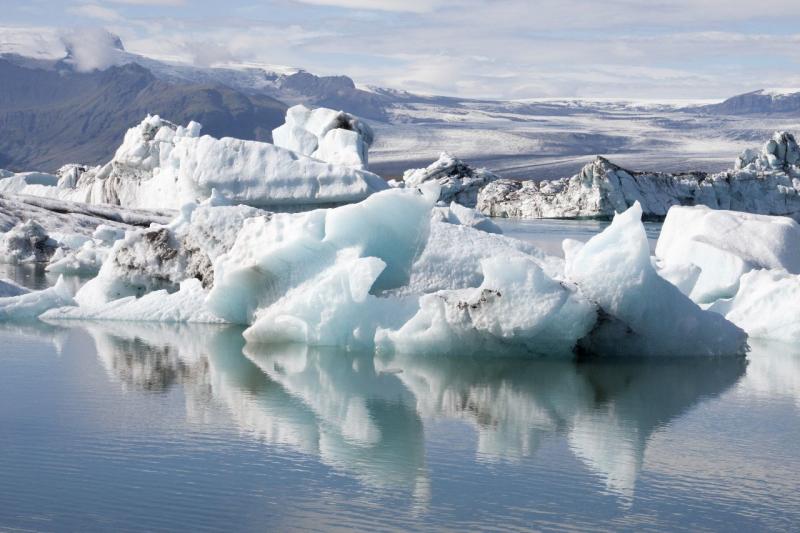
510, 49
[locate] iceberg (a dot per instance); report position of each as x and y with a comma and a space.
725, 245
29, 305
27, 242
516, 306
332, 136
766, 305
765, 182
646, 315
274, 254
9, 288
459, 182
161, 165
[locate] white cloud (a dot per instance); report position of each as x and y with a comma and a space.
91, 49
411, 6
96, 11
151, 2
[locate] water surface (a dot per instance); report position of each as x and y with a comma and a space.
124, 426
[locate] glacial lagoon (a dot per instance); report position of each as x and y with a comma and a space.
136, 426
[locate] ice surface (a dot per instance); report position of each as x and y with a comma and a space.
516, 306
650, 316
163, 165
185, 305
766, 182
465, 216
331, 136
30, 305
724, 245
459, 182
161, 257
274, 254
766, 305
9, 288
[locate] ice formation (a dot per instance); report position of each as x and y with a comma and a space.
516, 306
393, 272
184, 305
724, 245
27, 242
162, 165
332, 136
161, 257
30, 305
649, 315
9, 288
766, 182
459, 182
766, 305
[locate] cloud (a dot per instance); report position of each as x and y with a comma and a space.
479, 48
91, 49
150, 2
412, 6
96, 11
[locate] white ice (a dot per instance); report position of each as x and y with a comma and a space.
651, 316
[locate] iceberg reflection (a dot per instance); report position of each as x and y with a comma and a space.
365, 415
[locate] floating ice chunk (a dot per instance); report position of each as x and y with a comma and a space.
331, 309
517, 308
160, 257
32, 304
781, 152
466, 216
453, 253
331, 136
767, 305
459, 182
161, 165
9, 288
766, 183
725, 245
274, 254
27, 242
185, 305
614, 270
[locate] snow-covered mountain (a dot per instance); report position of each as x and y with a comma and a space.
763, 101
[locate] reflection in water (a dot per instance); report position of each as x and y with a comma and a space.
365, 415
774, 370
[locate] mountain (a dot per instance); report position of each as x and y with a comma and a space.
292, 86
51, 114
764, 101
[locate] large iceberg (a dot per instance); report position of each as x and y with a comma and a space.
765, 182
389, 273
163, 165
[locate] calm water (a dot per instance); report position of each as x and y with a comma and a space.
119, 426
